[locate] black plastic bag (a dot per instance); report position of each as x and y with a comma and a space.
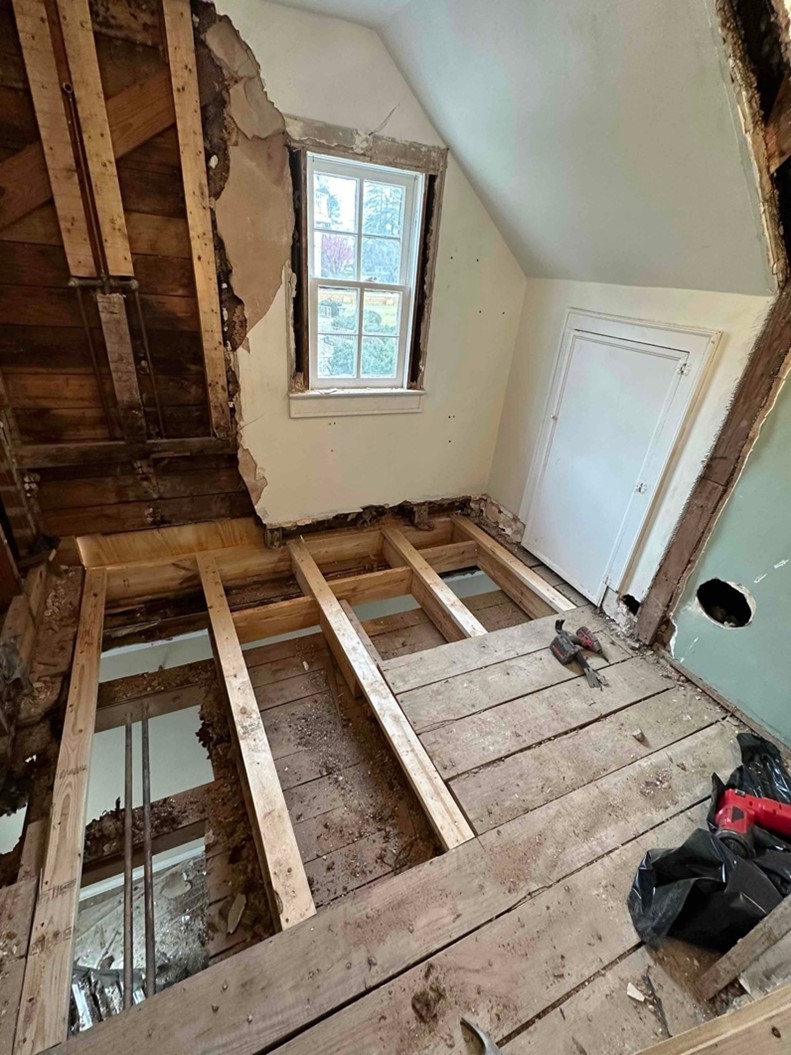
701, 892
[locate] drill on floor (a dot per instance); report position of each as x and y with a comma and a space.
566, 648
738, 813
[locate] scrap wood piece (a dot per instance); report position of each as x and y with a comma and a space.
177, 18
762, 1028
78, 39
778, 127
25, 181
44, 1008
273, 832
766, 933
445, 816
522, 584
448, 613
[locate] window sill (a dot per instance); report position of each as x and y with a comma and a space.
339, 402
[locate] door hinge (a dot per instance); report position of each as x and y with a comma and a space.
641, 488
683, 369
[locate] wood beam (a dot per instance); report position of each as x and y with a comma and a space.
78, 39
449, 614
778, 128
49, 455
766, 933
762, 1028
22, 177
753, 399
273, 834
361, 632
445, 816
524, 586
177, 17
44, 1009
135, 115
121, 359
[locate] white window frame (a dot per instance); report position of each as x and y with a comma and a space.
413, 183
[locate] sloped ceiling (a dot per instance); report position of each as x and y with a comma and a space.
603, 137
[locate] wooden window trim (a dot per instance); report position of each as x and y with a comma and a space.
317, 137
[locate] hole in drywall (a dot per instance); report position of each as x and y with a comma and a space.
725, 603
631, 604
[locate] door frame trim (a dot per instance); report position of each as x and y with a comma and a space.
700, 345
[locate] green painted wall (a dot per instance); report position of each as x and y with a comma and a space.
750, 546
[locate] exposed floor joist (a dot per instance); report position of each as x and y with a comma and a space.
278, 854
44, 1008
445, 816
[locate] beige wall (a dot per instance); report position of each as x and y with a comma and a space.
546, 303
338, 72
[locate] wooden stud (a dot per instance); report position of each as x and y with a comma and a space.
183, 71
275, 842
78, 39
766, 933
121, 359
778, 127
449, 614
522, 584
445, 816
42, 73
44, 1009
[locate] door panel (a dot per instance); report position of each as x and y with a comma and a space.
607, 421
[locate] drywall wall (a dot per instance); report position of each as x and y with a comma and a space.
546, 304
751, 547
602, 137
340, 73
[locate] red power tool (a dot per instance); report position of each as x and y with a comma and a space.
566, 648
738, 813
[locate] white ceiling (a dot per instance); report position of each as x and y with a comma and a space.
602, 137
368, 12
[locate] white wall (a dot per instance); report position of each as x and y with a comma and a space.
602, 136
341, 73
546, 303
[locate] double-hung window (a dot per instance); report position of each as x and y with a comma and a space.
363, 227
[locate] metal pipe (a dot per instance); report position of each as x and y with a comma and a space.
89, 201
144, 336
148, 870
129, 945
94, 361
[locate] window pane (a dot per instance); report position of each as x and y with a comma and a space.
337, 310
334, 202
381, 260
379, 357
337, 355
383, 209
381, 309
335, 255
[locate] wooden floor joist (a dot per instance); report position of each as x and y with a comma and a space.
448, 613
121, 360
522, 584
44, 1009
273, 833
445, 816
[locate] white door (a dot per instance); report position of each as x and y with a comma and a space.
619, 398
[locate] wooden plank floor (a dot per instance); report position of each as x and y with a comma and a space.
523, 929
571, 778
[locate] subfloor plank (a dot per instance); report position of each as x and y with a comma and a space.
518, 724
505, 789
534, 955
457, 697
602, 1018
460, 657
292, 980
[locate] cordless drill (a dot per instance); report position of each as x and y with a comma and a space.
738, 813
566, 648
